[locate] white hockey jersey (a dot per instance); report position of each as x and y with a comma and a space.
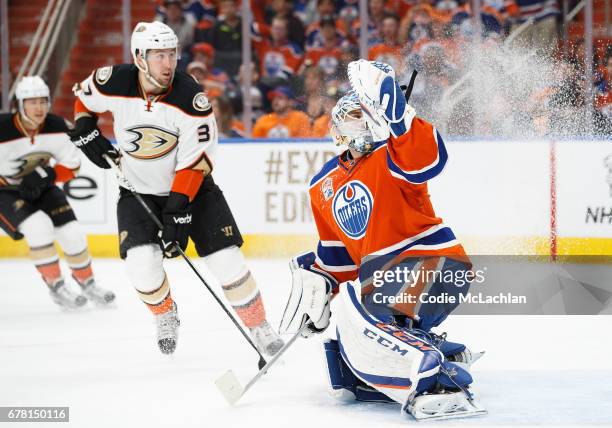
156, 136
21, 154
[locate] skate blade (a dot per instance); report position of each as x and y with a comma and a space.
476, 410
229, 385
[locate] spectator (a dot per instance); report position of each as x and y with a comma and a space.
389, 50
284, 9
542, 34
205, 53
416, 25
323, 8
211, 86
376, 14
284, 121
226, 37
280, 58
603, 102
237, 91
322, 125
326, 10
182, 24
227, 125
202, 10
326, 54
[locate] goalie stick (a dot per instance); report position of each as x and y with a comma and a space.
231, 388
125, 183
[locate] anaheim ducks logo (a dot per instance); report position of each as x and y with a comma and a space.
151, 142
28, 163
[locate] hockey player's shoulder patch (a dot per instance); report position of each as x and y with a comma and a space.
8, 130
188, 96
117, 80
54, 124
102, 75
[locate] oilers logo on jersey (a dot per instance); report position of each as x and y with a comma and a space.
151, 142
352, 208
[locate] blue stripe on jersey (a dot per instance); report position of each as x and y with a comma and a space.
334, 256
439, 237
327, 168
422, 177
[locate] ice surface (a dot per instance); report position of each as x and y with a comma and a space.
104, 363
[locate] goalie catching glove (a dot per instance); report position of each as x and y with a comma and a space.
308, 302
381, 97
87, 136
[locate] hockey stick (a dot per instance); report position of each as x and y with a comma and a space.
125, 183
231, 388
408, 89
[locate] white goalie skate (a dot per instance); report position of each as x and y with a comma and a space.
98, 295
167, 330
65, 297
266, 339
449, 405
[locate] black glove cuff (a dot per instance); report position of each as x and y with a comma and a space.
177, 202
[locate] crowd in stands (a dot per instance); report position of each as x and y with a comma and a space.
301, 49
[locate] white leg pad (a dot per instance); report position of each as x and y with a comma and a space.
71, 238
385, 358
37, 229
145, 267
228, 265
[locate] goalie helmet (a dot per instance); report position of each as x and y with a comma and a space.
30, 87
349, 127
151, 35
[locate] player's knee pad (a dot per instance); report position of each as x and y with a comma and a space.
71, 238
228, 265
145, 267
344, 385
37, 229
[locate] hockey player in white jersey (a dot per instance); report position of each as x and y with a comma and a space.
372, 211
166, 139
35, 155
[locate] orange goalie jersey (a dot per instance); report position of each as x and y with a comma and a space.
379, 204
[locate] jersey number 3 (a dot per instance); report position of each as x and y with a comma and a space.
203, 133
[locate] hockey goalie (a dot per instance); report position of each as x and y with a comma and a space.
372, 211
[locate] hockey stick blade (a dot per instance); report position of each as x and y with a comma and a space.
231, 388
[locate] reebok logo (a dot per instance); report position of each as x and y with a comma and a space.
88, 138
182, 220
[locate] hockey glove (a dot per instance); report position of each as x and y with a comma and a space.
176, 219
35, 183
381, 98
87, 136
308, 302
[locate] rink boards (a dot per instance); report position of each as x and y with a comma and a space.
500, 197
